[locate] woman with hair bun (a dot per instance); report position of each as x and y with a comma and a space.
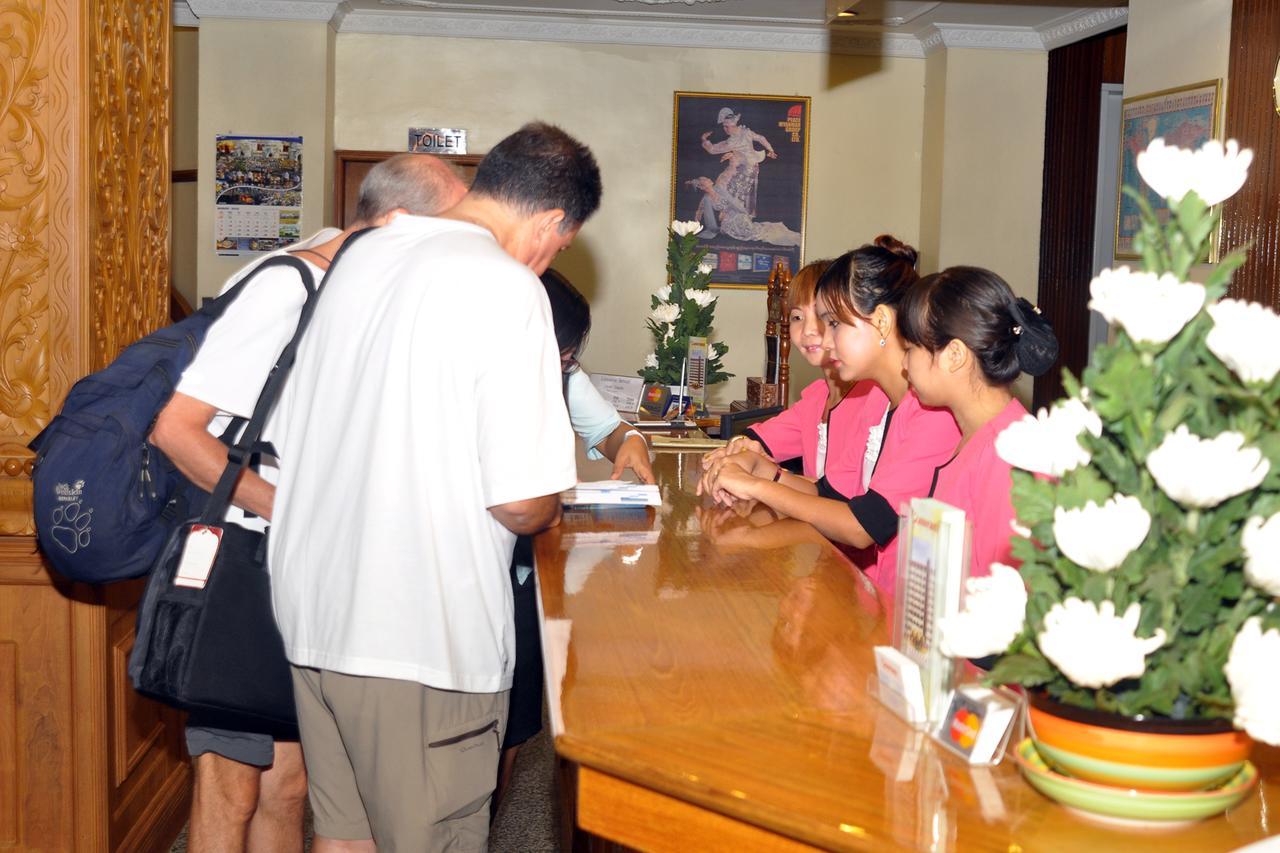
894, 443
968, 338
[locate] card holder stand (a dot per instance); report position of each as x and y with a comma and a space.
1013, 734
897, 703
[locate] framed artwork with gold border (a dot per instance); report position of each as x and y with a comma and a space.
740, 166
1186, 116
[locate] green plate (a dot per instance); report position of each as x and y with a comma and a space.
1132, 775
1129, 803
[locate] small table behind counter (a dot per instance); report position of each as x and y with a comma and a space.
708, 676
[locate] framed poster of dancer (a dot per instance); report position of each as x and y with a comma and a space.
740, 167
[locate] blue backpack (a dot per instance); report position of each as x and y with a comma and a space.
106, 499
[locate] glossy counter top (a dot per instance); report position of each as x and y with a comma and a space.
725, 661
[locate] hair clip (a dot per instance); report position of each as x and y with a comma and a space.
1017, 330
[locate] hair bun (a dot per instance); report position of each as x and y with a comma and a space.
1037, 345
899, 248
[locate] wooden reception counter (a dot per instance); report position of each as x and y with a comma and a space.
709, 678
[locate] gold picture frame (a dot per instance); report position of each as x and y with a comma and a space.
740, 166
1186, 116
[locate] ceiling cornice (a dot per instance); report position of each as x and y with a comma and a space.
269, 10
558, 28
663, 31
1070, 29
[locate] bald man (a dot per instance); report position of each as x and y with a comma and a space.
250, 787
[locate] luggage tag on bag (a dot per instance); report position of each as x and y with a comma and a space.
197, 556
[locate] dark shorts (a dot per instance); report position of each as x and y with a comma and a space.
524, 719
235, 739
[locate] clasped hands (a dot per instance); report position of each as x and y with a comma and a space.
734, 472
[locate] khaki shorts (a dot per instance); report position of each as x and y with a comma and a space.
409, 766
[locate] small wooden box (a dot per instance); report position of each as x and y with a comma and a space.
761, 394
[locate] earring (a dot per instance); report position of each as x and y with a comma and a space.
882, 342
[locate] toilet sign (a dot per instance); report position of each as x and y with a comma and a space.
438, 140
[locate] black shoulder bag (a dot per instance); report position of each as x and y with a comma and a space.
207, 638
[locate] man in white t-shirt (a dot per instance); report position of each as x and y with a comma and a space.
427, 428
249, 787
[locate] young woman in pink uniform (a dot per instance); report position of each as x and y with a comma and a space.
967, 339
810, 430
893, 443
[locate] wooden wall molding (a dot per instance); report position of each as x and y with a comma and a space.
1075, 78
1250, 216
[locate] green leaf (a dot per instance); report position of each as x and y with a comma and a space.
1033, 498
1025, 669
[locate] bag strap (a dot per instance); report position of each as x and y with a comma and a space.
215, 307
238, 455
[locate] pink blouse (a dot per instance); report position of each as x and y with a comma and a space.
979, 482
917, 440
794, 432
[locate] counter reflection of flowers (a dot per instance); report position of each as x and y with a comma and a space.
1152, 554
681, 309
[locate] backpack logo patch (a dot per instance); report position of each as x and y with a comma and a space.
72, 524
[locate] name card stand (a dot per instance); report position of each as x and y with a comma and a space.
979, 722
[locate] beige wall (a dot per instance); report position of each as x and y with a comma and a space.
864, 153
267, 78
983, 165
1175, 43
183, 148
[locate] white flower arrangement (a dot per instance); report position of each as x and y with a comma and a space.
1100, 537
1261, 541
1151, 308
1245, 337
1251, 671
1215, 173
1048, 442
682, 308
1092, 646
992, 616
1154, 492
1204, 472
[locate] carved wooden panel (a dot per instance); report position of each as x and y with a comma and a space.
9, 805
24, 238
1249, 217
129, 112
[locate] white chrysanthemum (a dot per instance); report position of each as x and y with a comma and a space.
703, 298
1151, 308
1215, 172
706, 268
663, 293
665, 313
686, 228
1092, 646
994, 614
1251, 671
1018, 529
1100, 537
1204, 472
1049, 441
651, 360
1244, 337
1261, 540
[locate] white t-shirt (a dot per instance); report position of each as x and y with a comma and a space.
243, 345
426, 390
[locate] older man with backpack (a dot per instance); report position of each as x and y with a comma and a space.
249, 785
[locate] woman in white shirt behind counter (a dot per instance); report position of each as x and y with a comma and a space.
607, 436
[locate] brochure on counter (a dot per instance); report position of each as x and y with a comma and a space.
612, 493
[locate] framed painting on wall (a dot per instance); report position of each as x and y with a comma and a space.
740, 167
1186, 117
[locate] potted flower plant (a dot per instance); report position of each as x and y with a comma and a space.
681, 309
1149, 508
